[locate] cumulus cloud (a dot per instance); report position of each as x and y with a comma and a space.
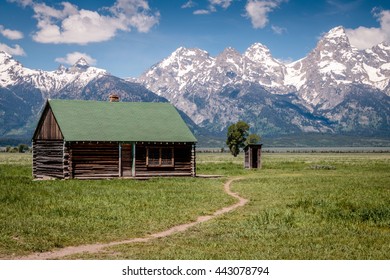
11, 34
136, 13
72, 58
69, 24
364, 37
258, 10
15, 50
212, 7
23, 3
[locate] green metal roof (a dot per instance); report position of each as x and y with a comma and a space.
120, 121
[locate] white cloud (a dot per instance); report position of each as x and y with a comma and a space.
364, 37
72, 58
11, 34
189, 4
213, 4
16, 50
81, 28
202, 12
69, 24
223, 3
135, 13
258, 10
143, 22
46, 13
23, 3
278, 30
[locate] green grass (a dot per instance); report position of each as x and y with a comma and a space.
39, 216
15, 158
302, 206
295, 212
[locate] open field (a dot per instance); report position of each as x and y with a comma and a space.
301, 206
43, 215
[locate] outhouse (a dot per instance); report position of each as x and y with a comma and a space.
252, 156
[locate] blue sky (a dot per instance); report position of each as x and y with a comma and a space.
126, 37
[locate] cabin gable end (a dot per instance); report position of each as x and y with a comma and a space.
48, 128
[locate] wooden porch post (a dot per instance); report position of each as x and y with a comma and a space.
65, 160
133, 162
120, 160
193, 160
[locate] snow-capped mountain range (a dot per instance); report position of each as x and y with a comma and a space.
311, 93
13, 73
23, 91
336, 88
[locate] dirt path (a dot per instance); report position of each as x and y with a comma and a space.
94, 248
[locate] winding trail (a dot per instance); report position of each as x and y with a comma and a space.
94, 248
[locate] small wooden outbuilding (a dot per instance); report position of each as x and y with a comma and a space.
95, 139
252, 156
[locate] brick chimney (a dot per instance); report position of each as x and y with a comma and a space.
114, 97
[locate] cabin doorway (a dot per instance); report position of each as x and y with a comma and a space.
255, 158
126, 160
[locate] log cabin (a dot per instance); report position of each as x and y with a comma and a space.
97, 139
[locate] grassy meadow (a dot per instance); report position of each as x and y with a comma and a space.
302, 206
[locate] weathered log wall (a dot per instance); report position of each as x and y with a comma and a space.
247, 158
182, 162
53, 158
48, 159
94, 160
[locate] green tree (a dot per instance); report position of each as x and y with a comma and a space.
236, 136
253, 139
22, 148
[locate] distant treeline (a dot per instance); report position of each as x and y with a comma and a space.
328, 150
21, 148
306, 150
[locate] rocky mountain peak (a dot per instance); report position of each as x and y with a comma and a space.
61, 69
4, 55
183, 57
336, 32
10, 69
190, 52
229, 56
209, 88
229, 52
384, 46
335, 40
81, 65
258, 46
382, 51
6, 59
260, 54
333, 60
82, 62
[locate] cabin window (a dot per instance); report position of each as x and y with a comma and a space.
160, 157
